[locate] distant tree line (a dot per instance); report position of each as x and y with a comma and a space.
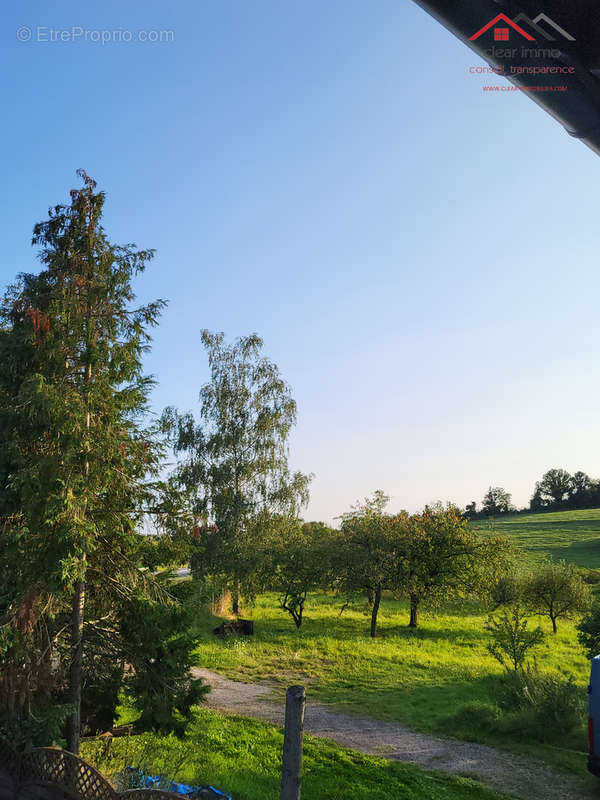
557, 490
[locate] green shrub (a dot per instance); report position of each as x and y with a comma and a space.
589, 631
103, 677
476, 714
507, 591
41, 726
161, 654
590, 576
539, 705
511, 641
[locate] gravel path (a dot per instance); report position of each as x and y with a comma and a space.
520, 776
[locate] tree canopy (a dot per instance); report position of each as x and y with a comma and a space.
425, 558
444, 558
235, 460
557, 590
366, 557
555, 484
496, 501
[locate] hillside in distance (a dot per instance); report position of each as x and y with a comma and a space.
570, 535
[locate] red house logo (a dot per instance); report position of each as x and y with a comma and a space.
502, 33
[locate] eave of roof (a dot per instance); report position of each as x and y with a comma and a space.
577, 108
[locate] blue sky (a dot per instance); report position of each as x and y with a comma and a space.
419, 256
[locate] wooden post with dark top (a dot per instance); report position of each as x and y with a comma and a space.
291, 775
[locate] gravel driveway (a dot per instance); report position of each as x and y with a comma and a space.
520, 776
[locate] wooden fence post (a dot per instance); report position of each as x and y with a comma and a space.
291, 775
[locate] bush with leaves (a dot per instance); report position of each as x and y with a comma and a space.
589, 631
540, 705
506, 591
511, 641
39, 726
31, 713
160, 648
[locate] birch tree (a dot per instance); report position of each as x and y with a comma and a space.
235, 459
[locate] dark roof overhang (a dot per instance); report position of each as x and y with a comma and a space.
577, 107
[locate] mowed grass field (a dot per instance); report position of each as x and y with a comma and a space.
570, 535
439, 678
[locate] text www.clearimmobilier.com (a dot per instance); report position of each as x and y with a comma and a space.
524, 88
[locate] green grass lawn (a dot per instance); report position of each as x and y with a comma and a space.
243, 757
570, 535
439, 678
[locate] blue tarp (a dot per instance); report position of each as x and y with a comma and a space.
143, 781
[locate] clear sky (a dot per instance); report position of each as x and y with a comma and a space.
420, 257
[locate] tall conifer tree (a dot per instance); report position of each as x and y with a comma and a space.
78, 466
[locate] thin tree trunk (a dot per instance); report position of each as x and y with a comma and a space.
375, 611
235, 603
299, 613
75, 672
236, 582
414, 612
554, 628
78, 610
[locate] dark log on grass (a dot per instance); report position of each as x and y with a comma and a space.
238, 627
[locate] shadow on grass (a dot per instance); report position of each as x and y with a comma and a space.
580, 551
550, 525
275, 632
